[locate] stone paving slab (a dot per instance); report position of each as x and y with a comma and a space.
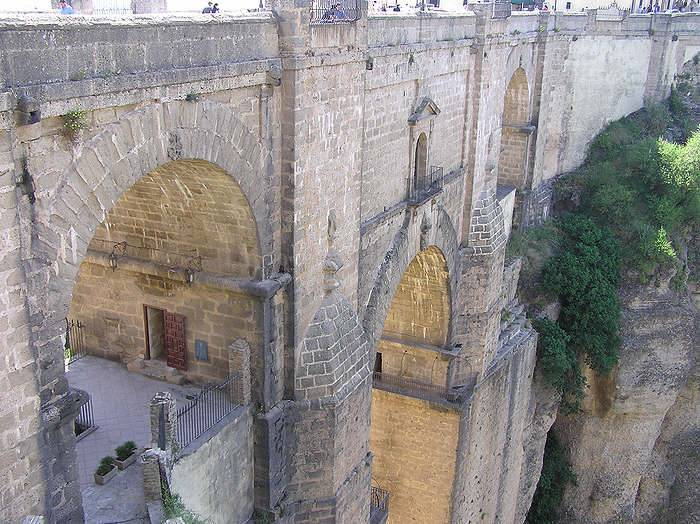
120, 403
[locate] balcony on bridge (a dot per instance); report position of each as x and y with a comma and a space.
379, 506
427, 186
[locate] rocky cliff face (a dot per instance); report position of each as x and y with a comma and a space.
542, 410
634, 447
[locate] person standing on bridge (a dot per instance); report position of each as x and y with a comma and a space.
66, 9
207, 9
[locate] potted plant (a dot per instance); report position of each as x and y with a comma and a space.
105, 471
126, 454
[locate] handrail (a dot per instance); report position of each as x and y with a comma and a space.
209, 407
413, 385
334, 11
380, 498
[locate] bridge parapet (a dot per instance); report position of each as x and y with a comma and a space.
50, 49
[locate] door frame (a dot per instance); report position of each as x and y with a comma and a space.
145, 328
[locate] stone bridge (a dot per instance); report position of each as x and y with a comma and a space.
338, 196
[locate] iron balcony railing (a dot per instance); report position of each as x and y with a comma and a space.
378, 505
74, 347
334, 11
430, 185
85, 421
209, 407
399, 384
501, 9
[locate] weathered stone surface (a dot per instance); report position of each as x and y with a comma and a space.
627, 415
335, 136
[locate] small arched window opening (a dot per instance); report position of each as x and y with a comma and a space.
419, 168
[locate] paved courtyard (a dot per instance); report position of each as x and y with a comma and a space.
120, 401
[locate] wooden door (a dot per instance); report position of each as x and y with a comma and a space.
175, 340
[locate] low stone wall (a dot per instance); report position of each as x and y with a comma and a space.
391, 30
44, 49
214, 474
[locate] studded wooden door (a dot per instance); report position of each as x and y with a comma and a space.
175, 340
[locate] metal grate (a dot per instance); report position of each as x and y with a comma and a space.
74, 347
111, 7
334, 11
501, 9
378, 505
430, 185
85, 421
205, 410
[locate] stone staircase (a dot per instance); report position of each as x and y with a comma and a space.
156, 369
515, 328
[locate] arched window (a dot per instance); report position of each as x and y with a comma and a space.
419, 168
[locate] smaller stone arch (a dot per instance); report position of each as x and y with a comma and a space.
515, 131
407, 244
112, 161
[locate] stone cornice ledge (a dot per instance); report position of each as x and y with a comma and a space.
138, 86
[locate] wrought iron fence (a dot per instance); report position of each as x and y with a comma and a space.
429, 185
334, 11
399, 384
74, 347
378, 505
111, 7
85, 421
206, 409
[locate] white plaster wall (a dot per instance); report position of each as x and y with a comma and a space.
608, 76
216, 480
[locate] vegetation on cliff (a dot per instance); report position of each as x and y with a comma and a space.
637, 197
637, 209
556, 474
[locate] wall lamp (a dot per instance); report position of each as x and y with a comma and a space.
118, 251
194, 264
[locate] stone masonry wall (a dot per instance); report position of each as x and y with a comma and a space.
339, 124
215, 480
183, 210
110, 304
414, 444
491, 454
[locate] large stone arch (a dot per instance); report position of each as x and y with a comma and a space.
514, 131
104, 168
111, 162
436, 229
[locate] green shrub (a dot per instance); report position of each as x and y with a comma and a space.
558, 364
556, 474
585, 277
642, 187
125, 450
106, 465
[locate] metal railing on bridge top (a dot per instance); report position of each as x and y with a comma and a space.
334, 11
111, 7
